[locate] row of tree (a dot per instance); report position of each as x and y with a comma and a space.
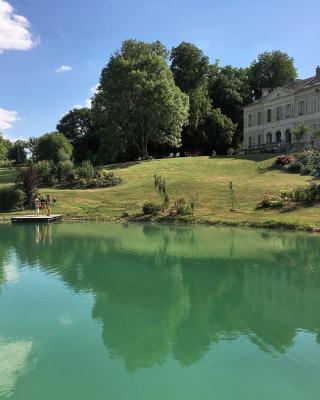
152, 102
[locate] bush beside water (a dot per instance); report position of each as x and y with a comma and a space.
11, 198
306, 162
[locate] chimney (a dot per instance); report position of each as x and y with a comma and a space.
318, 72
266, 91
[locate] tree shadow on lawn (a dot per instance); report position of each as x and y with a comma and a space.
125, 164
256, 157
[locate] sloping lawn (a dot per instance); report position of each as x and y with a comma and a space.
208, 178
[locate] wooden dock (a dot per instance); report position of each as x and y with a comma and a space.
37, 218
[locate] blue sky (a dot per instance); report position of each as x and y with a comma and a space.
52, 51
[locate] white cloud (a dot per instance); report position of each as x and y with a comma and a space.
7, 118
14, 30
64, 68
76, 106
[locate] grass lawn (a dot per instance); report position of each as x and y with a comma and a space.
252, 178
7, 175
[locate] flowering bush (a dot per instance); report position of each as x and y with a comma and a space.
271, 201
284, 159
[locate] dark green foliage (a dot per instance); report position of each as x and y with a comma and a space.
11, 198
53, 146
219, 132
149, 208
79, 127
294, 167
190, 68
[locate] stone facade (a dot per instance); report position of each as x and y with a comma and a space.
269, 122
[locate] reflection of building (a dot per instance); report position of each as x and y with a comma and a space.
269, 122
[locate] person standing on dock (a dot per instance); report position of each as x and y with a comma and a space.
37, 205
48, 204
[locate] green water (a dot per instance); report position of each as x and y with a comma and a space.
110, 311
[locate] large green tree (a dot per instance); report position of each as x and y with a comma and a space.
190, 68
229, 91
79, 126
270, 70
137, 101
220, 131
53, 146
17, 152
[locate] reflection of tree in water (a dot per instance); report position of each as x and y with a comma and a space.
151, 305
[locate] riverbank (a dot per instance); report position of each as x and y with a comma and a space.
207, 178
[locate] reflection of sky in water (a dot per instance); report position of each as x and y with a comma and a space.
13, 362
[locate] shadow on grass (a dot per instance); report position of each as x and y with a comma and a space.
126, 164
256, 157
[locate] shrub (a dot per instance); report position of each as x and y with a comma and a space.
103, 179
11, 198
161, 186
45, 171
85, 170
150, 208
284, 159
66, 171
271, 201
183, 207
294, 167
231, 151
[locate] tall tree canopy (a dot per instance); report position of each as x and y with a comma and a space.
190, 68
79, 127
270, 70
137, 101
229, 91
53, 146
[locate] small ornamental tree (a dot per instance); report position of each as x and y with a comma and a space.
161, 187
28, 181
300, 132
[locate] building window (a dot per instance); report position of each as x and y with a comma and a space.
288, 136
278, 137
259, 140
250, 142
269, 138
288, 110
259, 118
250, 120
301, 107
279, 112
313, 107
269, 115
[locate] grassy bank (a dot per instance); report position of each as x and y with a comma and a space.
208, 178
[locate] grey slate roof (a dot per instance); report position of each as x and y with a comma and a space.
300, 84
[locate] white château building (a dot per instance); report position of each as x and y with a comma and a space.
270, 121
